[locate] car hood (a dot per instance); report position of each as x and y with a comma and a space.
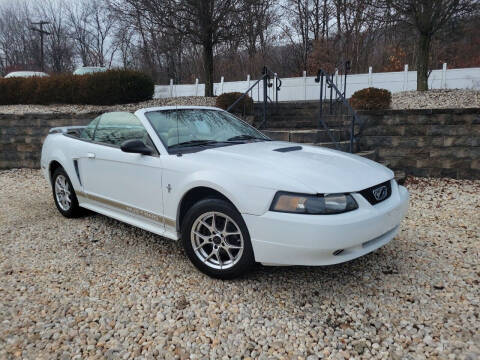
320, 169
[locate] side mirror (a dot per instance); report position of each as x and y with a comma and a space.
136, 146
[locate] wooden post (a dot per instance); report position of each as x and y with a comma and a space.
370, 76
222, 79
171, 87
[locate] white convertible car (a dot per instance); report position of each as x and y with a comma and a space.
233, 196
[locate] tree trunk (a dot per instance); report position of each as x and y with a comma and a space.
423, 61
208, 67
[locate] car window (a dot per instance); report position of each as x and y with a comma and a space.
116, 127
184, 125
89, 130
163, 122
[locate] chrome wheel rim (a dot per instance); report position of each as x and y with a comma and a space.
62, 193
217, 240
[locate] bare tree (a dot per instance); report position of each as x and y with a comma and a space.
257, 21
18, 48
92, 29
205, 23
79, 21
308, 22
58, 44
426, 17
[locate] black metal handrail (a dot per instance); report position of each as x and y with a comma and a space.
244, 94
266, 79
340, 97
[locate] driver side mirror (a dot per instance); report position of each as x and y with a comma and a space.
135, 146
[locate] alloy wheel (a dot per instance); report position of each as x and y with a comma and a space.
217, 240
62, 193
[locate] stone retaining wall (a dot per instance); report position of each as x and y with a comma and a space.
21, 136
433, 143
421, 142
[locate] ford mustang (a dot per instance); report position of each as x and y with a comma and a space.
229, 193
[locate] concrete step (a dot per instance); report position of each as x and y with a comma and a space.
369, 154
342, 145
307, 135
305, 124
299, 106
314, 119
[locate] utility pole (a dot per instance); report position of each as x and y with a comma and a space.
41, 32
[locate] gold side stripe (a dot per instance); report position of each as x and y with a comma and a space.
129, 209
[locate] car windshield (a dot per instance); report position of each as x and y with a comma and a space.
201, 127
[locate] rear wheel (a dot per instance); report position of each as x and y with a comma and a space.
216, 239
64, 194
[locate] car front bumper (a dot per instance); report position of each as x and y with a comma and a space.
298, 239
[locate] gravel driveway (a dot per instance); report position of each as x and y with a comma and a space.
96, 288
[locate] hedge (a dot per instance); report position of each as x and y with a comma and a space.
371, 99
103, 88
244, 106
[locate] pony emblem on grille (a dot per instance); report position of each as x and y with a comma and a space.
380, 193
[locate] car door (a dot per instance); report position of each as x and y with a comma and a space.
125, 182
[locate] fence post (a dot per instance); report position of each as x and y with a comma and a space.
336, 77
196, 87
171, 87
370, 76
265, 94
222, 80
405, 77
444, 76
304, 84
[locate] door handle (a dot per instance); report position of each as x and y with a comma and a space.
91, 155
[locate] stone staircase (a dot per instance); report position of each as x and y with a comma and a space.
299, 122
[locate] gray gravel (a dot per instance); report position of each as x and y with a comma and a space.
81, 109
96, 288
436, 99
433, 99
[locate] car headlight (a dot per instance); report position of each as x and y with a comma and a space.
313, 204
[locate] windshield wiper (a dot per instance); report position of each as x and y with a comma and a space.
194, 143
245, 137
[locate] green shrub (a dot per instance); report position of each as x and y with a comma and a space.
244, 106
106, 88
371, 99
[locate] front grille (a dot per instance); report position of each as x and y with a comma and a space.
378, 193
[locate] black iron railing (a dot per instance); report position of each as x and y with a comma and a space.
266, 80
337, 106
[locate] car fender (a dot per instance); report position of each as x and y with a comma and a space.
247, 199
54, 151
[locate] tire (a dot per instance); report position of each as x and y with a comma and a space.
223, 251
64, 195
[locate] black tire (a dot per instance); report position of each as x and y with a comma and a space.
244, 261
73, 210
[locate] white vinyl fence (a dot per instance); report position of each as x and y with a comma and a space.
305, 88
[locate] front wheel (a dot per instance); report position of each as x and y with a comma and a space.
216, 239
64, 194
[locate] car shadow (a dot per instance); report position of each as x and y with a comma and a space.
355, 274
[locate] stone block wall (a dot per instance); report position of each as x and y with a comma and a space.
21, 136
438, 143
434, 143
